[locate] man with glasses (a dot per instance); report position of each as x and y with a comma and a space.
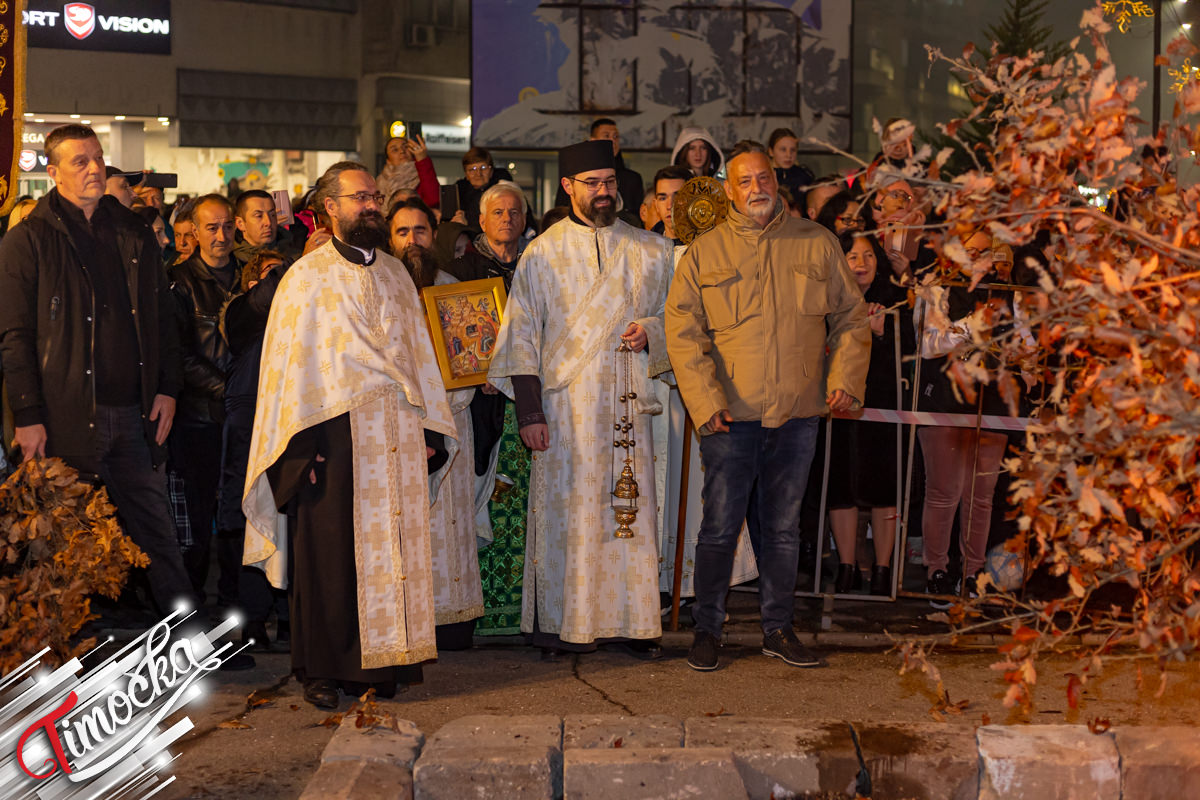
351, 419
582, 288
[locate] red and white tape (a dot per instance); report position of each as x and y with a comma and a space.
989, 421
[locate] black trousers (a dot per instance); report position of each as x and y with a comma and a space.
195, 449
139, 491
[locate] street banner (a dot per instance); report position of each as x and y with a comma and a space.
12, 98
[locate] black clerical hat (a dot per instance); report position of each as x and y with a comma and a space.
585, 157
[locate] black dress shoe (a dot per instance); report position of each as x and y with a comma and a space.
237, 663
254, 636
644, 649
553, 654
321, 692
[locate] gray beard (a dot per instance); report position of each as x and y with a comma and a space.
601, 217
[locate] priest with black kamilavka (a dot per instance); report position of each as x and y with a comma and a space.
582, 336
351, 432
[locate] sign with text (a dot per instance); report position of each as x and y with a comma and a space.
126, 26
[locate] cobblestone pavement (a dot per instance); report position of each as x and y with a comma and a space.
273, 750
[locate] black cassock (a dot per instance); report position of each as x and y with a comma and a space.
324, 579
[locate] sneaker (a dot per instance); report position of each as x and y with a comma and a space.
703, 654
783, 644
940, 583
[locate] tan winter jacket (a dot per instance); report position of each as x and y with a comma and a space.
746, 322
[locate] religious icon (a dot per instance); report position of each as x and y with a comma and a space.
464, 321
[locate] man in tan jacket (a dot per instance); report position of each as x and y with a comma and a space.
754, 306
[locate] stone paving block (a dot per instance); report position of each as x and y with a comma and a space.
775, 757
359, 780
595, 730
1159, 762
697, 773
375, 744
495, 730
1047, 762
515, 772
786, 758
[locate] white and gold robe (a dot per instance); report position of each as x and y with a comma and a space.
343, 337
575, 291
457, 586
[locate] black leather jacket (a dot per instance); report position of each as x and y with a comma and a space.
47, 327
206, 357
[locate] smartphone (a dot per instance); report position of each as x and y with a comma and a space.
412, 130
283, 207
448, 203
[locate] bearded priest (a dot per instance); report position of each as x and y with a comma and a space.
351, 433
581, 289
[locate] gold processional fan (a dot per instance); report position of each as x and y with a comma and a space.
700, 206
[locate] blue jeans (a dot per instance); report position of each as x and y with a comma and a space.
752, 469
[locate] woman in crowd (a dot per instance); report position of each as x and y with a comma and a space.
782, 147
408, 166
961, 465
862, 466
479, 175
843, 212
696, 149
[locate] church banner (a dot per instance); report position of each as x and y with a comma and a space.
12, 98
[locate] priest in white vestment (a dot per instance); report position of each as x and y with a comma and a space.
457, 590
350, 422
581, 288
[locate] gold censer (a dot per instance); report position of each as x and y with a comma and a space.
625, 493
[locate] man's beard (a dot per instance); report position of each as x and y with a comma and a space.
602, 217
422, 264
366, 231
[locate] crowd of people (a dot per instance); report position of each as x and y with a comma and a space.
273, 389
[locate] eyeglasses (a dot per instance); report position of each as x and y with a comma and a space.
901, 195
593, 184
479, 168
363, 198
851, 220
976, 253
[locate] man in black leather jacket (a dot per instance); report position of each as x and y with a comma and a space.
89, 347
202, 285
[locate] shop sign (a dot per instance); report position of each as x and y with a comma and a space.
126, 26
447, 138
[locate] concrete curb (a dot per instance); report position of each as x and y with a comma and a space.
636, 758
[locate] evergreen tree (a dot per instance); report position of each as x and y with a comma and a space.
1018, 32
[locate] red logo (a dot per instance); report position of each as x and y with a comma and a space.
80, 19
27, 160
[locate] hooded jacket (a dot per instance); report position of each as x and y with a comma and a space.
689, 135
746, 321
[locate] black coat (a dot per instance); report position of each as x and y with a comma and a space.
206, 357
47, 327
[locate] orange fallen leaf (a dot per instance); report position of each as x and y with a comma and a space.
233, 724
1099, 725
